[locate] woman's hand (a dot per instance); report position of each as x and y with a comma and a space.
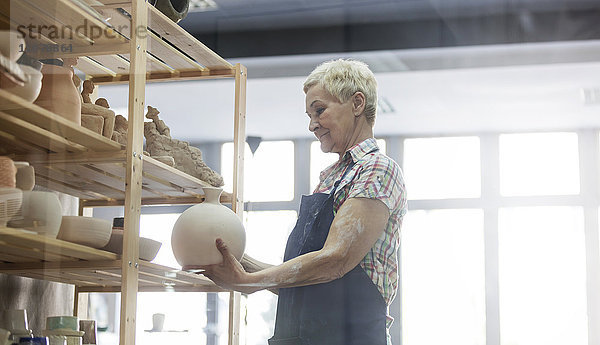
229, 274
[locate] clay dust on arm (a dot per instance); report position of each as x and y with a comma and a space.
355, 228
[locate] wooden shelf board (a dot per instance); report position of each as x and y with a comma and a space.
165, 77
65, 251
99, 178
57, 125
61, 19
169, 30
38, 136
39, 257
89, 66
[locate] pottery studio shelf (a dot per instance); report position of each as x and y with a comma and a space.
172, 53
91, 270
75, 160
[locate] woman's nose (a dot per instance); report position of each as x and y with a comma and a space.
313, 125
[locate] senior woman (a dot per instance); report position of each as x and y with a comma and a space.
340, 269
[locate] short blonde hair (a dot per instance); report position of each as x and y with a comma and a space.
342, 78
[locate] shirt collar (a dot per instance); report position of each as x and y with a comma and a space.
358, 151
355, 153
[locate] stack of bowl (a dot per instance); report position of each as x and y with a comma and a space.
63, 330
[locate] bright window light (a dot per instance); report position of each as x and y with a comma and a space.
159, 227
320, 160
539, 164
443, 279
185, 312
267, 234
442, 168
268, 175
542, 276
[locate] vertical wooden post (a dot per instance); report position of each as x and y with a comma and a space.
82, 300
239, 144
133, 182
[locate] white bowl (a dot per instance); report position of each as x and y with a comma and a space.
12, 44
87, 231
32, 87
148, 247
10, 204
41, 212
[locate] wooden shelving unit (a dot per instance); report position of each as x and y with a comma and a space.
100, 172
92, 270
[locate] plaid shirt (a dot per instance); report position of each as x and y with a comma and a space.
374, 176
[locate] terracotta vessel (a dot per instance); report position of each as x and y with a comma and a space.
8, 173
25, 176
59, 95
195, 232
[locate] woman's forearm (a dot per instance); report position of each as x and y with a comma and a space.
252, 265
311, 268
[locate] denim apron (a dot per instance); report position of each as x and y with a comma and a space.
346, 311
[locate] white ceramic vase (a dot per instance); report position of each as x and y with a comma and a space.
41, 212
12, 44
32, 87
196, 230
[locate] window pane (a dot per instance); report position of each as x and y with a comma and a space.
268, 175
183, 310
442, 168
542, 276
539, 164
159, 227
267, 233
320, 160
443, 280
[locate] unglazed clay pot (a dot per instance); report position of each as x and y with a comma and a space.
196, 230
59, 95
8, 173
88, 231
41, 212
176, 10
32, 87
25, 176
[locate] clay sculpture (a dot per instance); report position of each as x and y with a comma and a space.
87, 90
107, 115
120, 133
187, 158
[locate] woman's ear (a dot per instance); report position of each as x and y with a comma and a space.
358, 103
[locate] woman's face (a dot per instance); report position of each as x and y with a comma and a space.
331, 121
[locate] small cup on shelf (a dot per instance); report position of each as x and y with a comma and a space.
158, 322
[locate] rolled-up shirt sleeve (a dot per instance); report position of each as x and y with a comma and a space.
380, 178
